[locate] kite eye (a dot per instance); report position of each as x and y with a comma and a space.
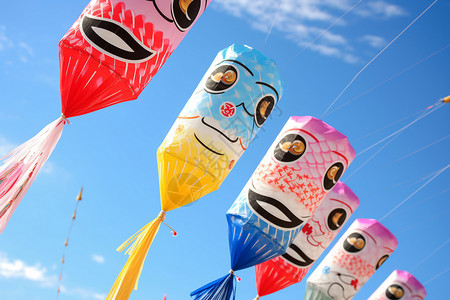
333, 175
263, 109
185, 13
336, 219
290, 148
221, 79
355, 242
395, 292
381, 261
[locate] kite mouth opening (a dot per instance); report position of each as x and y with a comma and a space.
207, 147
297, 257
227, 134
273, 211
313, 241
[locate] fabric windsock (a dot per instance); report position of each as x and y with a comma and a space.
400, 285
231, 103
108, 56
316, 235
362, 249
303, 164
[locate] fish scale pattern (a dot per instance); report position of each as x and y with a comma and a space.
112, 81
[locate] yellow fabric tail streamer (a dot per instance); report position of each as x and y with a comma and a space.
140, 244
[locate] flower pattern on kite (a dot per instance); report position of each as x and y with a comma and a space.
320, 230
400, 285
362, 249
300, 168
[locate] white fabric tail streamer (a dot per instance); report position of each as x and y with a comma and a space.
19, 168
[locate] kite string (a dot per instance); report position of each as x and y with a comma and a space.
78, 199
324, 31
390, 78
437, 276
423, 148
273, 23
370, 158
410, 196
374, 58
434, 107
431, 254
329, 27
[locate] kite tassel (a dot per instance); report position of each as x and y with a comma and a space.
138, 246
221, 289
19, 168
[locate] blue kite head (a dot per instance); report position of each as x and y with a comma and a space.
236, 95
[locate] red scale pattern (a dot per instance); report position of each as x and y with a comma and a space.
288, 179
354, 264
91, 80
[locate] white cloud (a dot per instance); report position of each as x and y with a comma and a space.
18, 269
374, 41
303, 20
5, 42
381, 9
98, 258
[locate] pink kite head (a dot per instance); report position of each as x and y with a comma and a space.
316, 235
362, 249
400, 285
115, 48
302, 166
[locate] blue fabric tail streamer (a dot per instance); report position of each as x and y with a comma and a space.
223, 288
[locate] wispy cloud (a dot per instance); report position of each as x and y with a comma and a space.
381, 9
374, 41
20, 48
5, 42
98, 258
18, 269
302, 20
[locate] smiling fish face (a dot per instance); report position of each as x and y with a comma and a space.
400, 285
216, 125
295, 173
234, 99
362, 249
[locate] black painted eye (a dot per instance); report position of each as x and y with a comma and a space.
355, 242
336, 218
381, 261
114, 39
185, 12
395, 292
291, 147
333, 175
222, 79
297, 257
263, 109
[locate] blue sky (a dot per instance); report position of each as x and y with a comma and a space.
112, 152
